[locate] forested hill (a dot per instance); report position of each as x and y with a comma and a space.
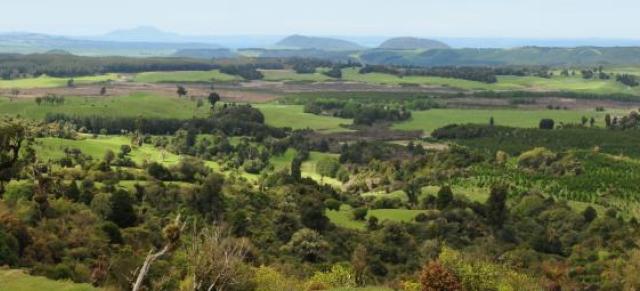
411, 43
321, 43
582, 56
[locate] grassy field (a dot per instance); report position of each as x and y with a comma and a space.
52, 148
52, 82
139, 104
17, 280
293, 116
436, 118
184, 77
290, 75
344, 218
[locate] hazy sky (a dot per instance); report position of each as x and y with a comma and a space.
455, 18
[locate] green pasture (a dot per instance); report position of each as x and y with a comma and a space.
17, 280
52, 82
138, 104
430, 120
293, 116
184, 77
290, 75
344, 216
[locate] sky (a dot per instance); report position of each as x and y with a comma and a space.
436, 18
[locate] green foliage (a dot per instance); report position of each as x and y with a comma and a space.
360, 213
122, 212
338, 277
308, 245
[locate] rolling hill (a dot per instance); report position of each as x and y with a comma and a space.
320, 43
412, 43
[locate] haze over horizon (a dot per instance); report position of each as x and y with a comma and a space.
461, 18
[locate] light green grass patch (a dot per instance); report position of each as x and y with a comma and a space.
344, 216
290, 75
294, 116
52, 82
53, 148
185, 77
139, 104
17, 280
430, 120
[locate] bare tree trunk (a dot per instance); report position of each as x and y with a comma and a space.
151, 257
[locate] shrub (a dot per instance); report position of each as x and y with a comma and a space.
546, 123
360, 213
338, 277
435, 277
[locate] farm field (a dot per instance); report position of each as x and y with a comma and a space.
139, 104
290, 75
17, 280
51, 82
293, 116
433, 119
184, 77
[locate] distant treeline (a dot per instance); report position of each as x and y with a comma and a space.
480, 74
564, 94
241, 120
14, 66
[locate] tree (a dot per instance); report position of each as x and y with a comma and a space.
435, 277
296, 172
359, 262
592, 121
171, 233
445, 197
14, 94
412, 189
491, 121
307, 244
181, 91
213, 98
208, 200
71, 83
607, 120
215, 260
73, 192
103, 91
12, 136
589, 214
122, 212
584, 120
360, 213
546, 123
496, 206
109, 156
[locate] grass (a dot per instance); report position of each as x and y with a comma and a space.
308, 167
293, 116
138, 104
184, 77
290, 75
17, 280
344, 218
430, 120
52, 148
52, 82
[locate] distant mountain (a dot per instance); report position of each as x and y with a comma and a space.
41, 43
205, 53
539, 56
142, 34
412, 43
320, 43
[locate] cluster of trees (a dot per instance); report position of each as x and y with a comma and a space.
50, 99
629, 80
247, 72
480, 74
231, 119
360, 113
